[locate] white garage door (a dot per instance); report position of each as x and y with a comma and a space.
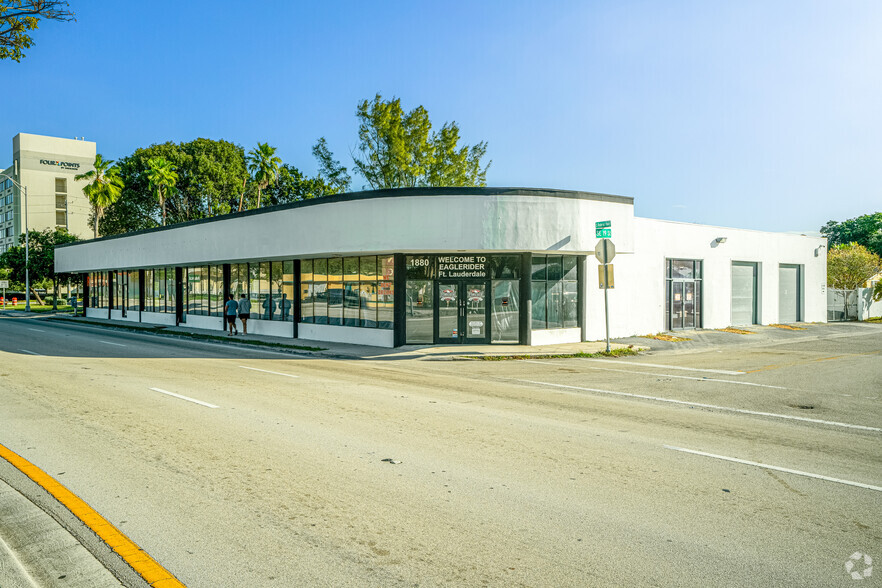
788, 293
743, 293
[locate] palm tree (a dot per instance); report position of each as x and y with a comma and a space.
162, 176
263, 165
104, 187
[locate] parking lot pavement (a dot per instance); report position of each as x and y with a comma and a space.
754, 335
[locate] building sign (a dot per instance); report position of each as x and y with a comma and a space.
462, 266
451, 267
62, 164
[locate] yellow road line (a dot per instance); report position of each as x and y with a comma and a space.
153, 573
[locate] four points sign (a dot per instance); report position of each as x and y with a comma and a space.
603, 229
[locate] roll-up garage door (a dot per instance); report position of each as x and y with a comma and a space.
788, 293
743, 293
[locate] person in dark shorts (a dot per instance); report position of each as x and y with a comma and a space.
230, 309
244, 313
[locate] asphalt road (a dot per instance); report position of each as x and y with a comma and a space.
267, 469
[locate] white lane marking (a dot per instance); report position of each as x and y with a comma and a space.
245, 367
32, 353
711, 406
38, 330
696, 378
776, 468
187, 398
109, 343
667, 367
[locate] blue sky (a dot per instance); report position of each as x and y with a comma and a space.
750, 114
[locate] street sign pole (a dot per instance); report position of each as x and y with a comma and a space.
604, 252
606, 308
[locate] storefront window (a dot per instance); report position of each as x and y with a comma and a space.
505, 311
539, 311
419, 311
286, 304
307, 314
555, 292
347, 291
171, 290
134, 293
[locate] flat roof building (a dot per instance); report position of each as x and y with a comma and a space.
451, 265
46, 166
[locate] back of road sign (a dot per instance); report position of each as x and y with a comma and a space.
605, 251
605, 276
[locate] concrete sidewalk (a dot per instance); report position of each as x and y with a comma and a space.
36, 550
325, 349
690, 341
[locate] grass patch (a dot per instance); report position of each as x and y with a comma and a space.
613, 353
875, 319
38, 307
736, 331
663, 337
788, 327
161, 330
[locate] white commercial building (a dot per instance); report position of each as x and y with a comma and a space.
46, 166
452, 265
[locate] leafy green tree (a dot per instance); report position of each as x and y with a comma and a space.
215, 175
331, 172
293, 186
104, 186
453, 165
41, 259
865, 230
263, 165
211, 175
17, 17
162, 178
398, 149
850, 266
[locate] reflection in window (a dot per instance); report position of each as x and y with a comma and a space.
419, 311
555, 292
505, 314
347, 291
286, 303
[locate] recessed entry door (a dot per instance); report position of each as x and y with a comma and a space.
462, 312
683, 303
789, 310
744, 293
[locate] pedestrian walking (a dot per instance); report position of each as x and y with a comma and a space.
244, 313
230, 309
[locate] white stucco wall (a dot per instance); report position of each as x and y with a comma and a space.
339, 334
157, 318
494, 223
418, 224
637, 302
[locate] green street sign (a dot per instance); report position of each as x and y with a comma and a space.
603, 233
603, 224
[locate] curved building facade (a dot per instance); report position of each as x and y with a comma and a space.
451, 266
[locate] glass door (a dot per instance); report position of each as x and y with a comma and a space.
448, 313
676, 309
462, 312
688, 305
475, 328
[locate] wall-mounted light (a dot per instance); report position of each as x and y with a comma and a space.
719, 240
818, 250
